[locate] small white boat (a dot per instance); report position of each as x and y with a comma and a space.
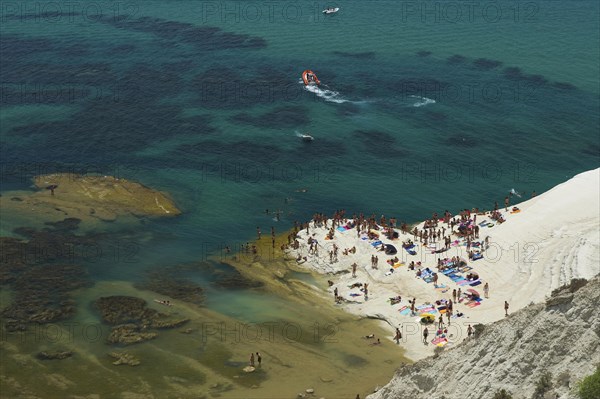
306, 137
331, 10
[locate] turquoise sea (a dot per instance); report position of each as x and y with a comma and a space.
424, 106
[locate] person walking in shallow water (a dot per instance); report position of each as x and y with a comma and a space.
398, 336
258, 358
252, 359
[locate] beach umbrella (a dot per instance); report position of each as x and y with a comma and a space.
472, 291
390, 250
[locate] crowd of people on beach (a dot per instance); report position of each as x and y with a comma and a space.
436, 234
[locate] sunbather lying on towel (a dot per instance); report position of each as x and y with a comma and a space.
355, 285
396, 300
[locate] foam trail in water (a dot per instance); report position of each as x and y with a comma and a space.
327, 95
423, 101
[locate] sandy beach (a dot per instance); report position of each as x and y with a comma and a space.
543, 244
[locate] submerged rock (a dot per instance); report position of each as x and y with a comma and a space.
87, 197
128, 334
235, 280
54, 355
124, 309
124, 358
163, 282
132, 319
42, 294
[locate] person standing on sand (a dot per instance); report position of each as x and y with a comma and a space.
505, 308
354, 265
425, 334
486, 290
454, 295
398, 336
469, 331
441, 322
366, 292
458, 295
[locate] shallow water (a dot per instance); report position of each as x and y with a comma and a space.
423, 112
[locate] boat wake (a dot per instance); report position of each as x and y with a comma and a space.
327, 95
423, 101
304, 136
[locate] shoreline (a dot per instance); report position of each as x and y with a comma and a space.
561, 226
519, 264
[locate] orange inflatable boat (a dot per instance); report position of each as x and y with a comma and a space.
310, 78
